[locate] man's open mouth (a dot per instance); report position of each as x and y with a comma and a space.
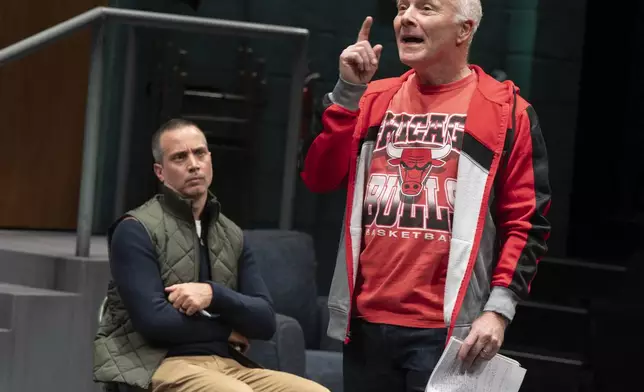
412, 39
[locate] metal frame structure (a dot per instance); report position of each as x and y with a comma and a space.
98, 17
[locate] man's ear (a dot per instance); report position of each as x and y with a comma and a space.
465, 32
158, 170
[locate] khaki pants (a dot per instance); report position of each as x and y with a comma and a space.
216, 374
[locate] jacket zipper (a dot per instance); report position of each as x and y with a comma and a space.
351, 284
347, 333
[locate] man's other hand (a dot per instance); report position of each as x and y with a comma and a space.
240, 341
190, 298
484, 340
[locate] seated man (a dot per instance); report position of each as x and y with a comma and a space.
186, 292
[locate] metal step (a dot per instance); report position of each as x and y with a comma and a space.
214, 95
551, 377
554, 308
547, 370
584, 264
550, 327
532, 353
574, 283
215, 119
215, 107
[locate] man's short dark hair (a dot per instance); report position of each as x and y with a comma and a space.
175, 123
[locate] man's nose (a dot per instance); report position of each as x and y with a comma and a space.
408, 18
192, 163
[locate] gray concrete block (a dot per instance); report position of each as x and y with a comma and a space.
27, 269
48, 243
89, 279
37, 353
6, 350
48, 266
6, 311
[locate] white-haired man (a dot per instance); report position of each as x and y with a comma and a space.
447, 178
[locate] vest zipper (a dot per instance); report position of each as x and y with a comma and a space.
197, 251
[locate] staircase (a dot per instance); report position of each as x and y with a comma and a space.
228, 112
49, 303
551, 334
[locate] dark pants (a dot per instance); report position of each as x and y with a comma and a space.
389, 358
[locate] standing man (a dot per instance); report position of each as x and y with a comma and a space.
447, 177
186, 293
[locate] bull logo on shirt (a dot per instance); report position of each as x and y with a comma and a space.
414, 164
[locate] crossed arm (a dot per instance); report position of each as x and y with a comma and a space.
136, 273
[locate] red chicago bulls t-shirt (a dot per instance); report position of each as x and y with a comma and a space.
409, 204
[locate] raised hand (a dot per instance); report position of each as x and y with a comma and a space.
359, 62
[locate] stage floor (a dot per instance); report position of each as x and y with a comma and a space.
49, 243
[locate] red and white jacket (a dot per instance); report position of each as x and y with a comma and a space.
503, 194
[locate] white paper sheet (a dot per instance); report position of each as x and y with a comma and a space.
500, 374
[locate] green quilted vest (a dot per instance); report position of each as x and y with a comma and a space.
122, 355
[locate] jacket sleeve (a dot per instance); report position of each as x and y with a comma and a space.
327, 161
523, 200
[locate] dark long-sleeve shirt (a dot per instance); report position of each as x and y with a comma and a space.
135, 271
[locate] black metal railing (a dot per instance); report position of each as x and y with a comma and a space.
97, 17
